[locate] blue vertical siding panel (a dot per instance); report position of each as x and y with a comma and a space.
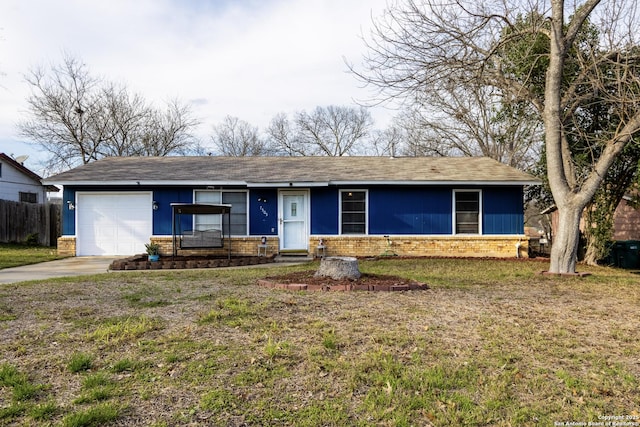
263, 212
68, 216
162, 216
324, 211
410, 211
503, 210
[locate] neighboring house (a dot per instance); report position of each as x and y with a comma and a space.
19, 184
358, 206
626, 220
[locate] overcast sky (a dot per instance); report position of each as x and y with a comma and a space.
246, 58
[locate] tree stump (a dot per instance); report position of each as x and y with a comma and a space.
339, 268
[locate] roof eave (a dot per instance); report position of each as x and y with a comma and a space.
444, 182
145, 183
287, 184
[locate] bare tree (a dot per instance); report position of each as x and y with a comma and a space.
78, 118
170, 131
478, 120
417, 46
124, 119
235, 137
62, 109
418, 139
333, 130
326, 131
283, 137
387, 142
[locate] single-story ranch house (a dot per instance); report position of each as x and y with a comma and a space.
356, 206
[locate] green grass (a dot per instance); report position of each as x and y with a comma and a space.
44, 411
491, 343
14, 255
95, 416
117, 329
80, 362
22, 389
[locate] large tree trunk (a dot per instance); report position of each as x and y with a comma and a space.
339, 268
592, 254
564, 250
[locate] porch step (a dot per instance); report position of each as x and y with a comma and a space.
294, 257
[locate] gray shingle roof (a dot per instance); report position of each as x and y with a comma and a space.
274, 170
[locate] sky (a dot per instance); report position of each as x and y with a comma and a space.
250, 59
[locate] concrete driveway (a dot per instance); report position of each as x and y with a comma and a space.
74, 266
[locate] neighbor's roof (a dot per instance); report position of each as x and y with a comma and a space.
25, 171
293, 171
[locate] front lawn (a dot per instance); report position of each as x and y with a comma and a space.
14, 255
491, 343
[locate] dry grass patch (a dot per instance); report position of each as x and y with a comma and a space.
491, 343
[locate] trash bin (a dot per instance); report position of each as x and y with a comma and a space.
627, 254
611, 257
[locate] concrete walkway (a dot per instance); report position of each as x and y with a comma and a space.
87, 265
74, 266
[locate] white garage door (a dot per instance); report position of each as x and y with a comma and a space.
113, 223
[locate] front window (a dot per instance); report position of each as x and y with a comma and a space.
238, 202
467, 212
28, 197
353, 212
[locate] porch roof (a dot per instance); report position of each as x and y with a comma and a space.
194, 209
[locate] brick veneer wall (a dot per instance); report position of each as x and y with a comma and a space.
450, 246
66, 246
626, 221
247, 246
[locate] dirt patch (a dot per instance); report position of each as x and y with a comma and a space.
141, 262
307, 281
491, 343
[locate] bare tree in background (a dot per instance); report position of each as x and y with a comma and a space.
235, 137
283, 137
78, 118
546, 63
63, 109
124, 122
387, 142
169, 131
475, 120
326, 131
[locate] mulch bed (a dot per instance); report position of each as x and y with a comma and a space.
306, 281
141, 262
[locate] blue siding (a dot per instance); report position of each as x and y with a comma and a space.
162, 216
407, 210
68, 216
503, 210
324, 211
391, 210
263, 212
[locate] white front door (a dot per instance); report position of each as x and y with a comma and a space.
294, 214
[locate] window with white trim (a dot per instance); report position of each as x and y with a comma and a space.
353, 212
238, 202
468, 206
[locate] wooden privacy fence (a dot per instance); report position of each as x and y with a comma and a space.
22, 222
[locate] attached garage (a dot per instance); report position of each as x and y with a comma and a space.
113, 223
